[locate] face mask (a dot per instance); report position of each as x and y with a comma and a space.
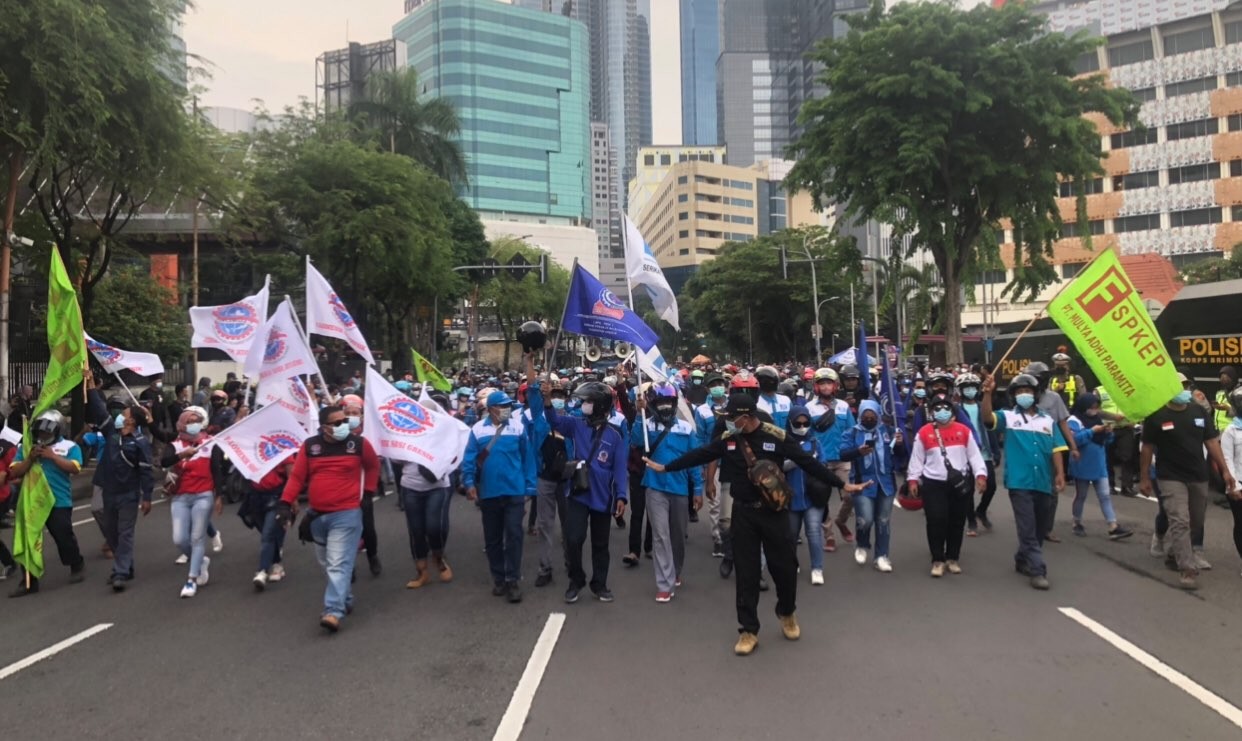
868, 424
942, 415
341, 431
665, 412
800, 430
159, 386
558, 404
1060, 371
588, 407
354, 422
920, 393
217, 403
717, 392
697, 381
1237, 422
1025, 400
970, 392
193, 429
120, 421
1183, 397
504, 414
730, 426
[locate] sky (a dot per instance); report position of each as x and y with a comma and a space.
264, 50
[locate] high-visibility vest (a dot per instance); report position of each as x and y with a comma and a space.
1106, 402
1223, 419
1070, 387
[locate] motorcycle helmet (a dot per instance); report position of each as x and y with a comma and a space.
532, 336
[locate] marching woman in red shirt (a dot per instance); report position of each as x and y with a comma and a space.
944, 460
199, 468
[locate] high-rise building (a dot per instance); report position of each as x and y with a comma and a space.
173, 66
605, 213
652, 166
700, 47
702, 205
520, 80
341, 75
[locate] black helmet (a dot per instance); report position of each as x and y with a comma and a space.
1037, 368
597, 394
115, 404
1235, 400
788, 388
532, 336
850, 371
1023, 380
941, 377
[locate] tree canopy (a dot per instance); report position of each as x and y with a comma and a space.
134, 312
944, 122
422, 128
1215, 269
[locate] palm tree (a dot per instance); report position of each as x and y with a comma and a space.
917, 290
424, 130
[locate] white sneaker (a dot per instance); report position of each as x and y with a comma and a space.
203, 575
182, 559
1157, 546
260, 581
276, 573
860, 556
217, 543
883, 564
1201, 563
817, 577
190, 589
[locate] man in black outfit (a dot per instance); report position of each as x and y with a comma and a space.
755, 526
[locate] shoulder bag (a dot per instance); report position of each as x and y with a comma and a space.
768, 478
959, 483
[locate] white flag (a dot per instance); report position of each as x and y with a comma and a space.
401, 428
326, 314
279, 350
231, 327
262, 440
652, 363
643, 270
291, 394
10, 435
114, 359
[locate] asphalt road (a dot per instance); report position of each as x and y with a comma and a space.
896, 656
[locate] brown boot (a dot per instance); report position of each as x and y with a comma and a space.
446, 574
423, 577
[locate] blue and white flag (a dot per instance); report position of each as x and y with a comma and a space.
652, 363
595, 311
642, 269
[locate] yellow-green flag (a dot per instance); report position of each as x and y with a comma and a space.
428, 373
1104, 316
67, 344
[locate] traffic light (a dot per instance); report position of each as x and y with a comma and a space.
519, 265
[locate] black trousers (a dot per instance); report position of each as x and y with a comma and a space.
1236, 506
756, 531
369, 537
580, 518
985, 501
640, 526
946, 519
118, 520
1123, 459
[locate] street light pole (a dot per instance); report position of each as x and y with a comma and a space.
814, 297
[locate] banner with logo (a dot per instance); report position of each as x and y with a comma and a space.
594, 311
651, 362
326, 314
401, 428
115, 360
428, 374
291, 394
231, 327
280, 350
1103, 314
262, 441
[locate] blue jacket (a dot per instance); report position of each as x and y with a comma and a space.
830, 439
608, 476
1092, 464
127, 461
705, 419
796, 478
681, 439
878, 466
509, 469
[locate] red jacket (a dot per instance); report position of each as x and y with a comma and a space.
334, 474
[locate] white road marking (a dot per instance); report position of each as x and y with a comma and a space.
83, 522
50, 651
511, 724
1174, 677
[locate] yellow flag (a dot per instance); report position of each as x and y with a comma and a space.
1103, 315
428, 373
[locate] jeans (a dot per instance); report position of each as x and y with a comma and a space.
985, 501
1180, 501
843, 470
190, 513
713, 507
670, 518
427, 520
946, 519
1102, 492
1032, 516
810, 521
502, 536
758, 530
878, 511
550, 503
117, 519
336, 537
271, 540
578, 519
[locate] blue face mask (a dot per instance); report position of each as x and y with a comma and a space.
120, 421
1026, 401
341, 431
717, 392
970, 392
942, 415
731, 427
193, 429
558, 404
920, 393
1237, 422
1183, 397
354, 422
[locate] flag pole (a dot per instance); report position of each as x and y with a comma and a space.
309, 347
638, 367
560, 327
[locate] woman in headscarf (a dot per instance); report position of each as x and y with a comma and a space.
1093, 436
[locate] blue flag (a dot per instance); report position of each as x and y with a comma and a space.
861, 358
595, 311
890, 401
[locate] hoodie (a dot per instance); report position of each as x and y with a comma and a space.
1092, 463
802, 498
878, 465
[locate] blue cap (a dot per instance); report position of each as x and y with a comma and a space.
499, 399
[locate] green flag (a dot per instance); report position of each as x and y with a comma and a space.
1104, 316
66, 342
428, 373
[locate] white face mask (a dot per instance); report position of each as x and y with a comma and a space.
588, 407
354, 422
503, 415
193, 428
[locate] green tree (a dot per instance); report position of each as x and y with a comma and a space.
512, 300
134, 312
425, 130
1214, 269
944, 121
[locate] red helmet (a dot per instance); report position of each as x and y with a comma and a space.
744, 379
908, 502
808, 373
